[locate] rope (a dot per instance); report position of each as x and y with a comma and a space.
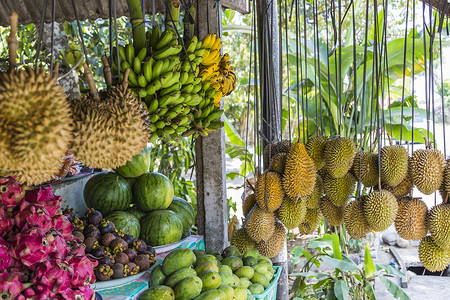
355, 87
306, 69
328, 68
41, 32
316, 13
442, 92
288, 78
405, 47
297, 67
80, 31
52, 38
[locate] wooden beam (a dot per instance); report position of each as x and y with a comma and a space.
442, 6
242, 6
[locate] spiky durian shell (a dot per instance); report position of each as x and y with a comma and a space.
300, 173
403, 188
315, 147
274, 244
312, 201
411, 220
369, 168
274, 148
444, 189
260, 225
248, 204
355, 220
339, 154
278, 163
240, 239
380, 209
393, 164
427, 168
35, 125
268, 187
432, 256
109, 132
332, 213
439, 225
311, 221
291, 212
339, 190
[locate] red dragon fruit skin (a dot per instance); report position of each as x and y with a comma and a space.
55, 274
62, 224
44, 196
6, 261
6, 223
10, 286
33, 215
83, 272
58, 245
30, 247
11, 192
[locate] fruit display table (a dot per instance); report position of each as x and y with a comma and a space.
133, 289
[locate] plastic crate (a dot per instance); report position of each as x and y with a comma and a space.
271, 292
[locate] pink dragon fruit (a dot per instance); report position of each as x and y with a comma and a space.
62, 224
10, 286
30, 247
42, 292
45, 196
58, 246
6, 260
11, 192
6, 222
83, 270
81, 293
55, 274
33, 215
77, 249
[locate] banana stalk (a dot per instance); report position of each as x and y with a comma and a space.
173, 15
189, 23
137, 19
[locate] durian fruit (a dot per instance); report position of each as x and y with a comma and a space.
35, 125
240, 239
432, 256
110, 131
274, 148
312, 201
274, 244
439, 225
444, 189
278, 163
427, 168
393, 164
333, 214
339, 154
300, 173
338, 190
404, 188
367, 164
248, 204
268, 188
380, 209
411, 223
355, 220
314, 148
291, 212
311, 221
260, 225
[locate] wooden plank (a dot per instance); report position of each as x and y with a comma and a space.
403, 269
242, 6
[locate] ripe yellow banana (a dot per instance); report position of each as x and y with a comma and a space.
217, 44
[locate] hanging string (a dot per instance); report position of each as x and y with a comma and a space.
80, 31
315, 68
328, 69
382, 71
297, 52
340, 65
302, 80
355, 87
364, 74
257, 113
405, 48
387, 67
432, 38
248, 101
306, 70
41, 32
280, 66
316, 23
375, 46
413, 74
442, 89
288, 75
117, 38
426, 71
52, 38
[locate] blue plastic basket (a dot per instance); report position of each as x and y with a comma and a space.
271, 292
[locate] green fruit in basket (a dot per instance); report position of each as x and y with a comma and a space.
211, 280
231, 251
212, 295
227, 278
206, 266
219, 258
256, 288
261, 279
161, 227
240, 293
260, 268
250, 297
225, 269
184, 211
237, 280
244, 282
207, 257
233, 261
228, 290
126, 222
157, 276
179, 275
265, 260
251, 253
268, 275
245, 271
198, 254
153, 191
178, 259
158, 293
188, 288
250, 261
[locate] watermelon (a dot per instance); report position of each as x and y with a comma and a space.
153, 191
161, 227
184, 211
107, 192
126, 222
135, 211
138, 165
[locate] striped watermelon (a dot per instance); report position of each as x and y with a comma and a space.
161, 227
184, 211
138, 165
126, 222
153, 191
135, 211
107, 192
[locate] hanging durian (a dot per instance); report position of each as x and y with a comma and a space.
311, 221
278, 163
240, 239
315, 148
380, 209
260, 225
427, 167
355, 220
338, 190
411, 223
291, 212
269, 192
274, 148
439, 225
365, 165
275, 243
339, 154
432, 256
444, 189
333, 214
248, 204
312, 201
403, 188
393, 164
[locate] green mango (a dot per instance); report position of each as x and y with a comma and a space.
240, 293
244, 282
245, 271
261, 279
260, 268
188, 288
206, 266
210, 279
157, 276
227, 278
198, 253
226, 269
237, 281
265, 259
206, 257
228, 290
231, 251
233, 262
179, 275
250, 297
250, 261
268, 275
256, 288
251, 253
160, 292
212, 295
177, 259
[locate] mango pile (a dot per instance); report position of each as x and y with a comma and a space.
186, 274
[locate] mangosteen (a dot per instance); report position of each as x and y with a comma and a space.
90, 243
103, 272
119, 233
129, 239
131, 253
95, 217
133, 269
105, 260
142, 261
106, 226
121, 258
98, 252
118, 245
118, 271
140, 246
107, 238
83, 220
93, 231
151, 250
69, 213
79, 235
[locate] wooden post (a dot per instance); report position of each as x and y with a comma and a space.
210, 155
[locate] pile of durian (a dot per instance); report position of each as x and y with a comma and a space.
307, 182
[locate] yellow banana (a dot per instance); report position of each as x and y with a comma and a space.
206, 40
217, 44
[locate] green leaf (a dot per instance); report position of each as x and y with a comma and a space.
310, 275
336, 246
394, 289
390, 270
340, 264
419, 133
232, 134
321, 243
321, 283
368, 288
369, 267
341, 290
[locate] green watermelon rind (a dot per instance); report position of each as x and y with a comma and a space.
138, 165
185, 212
153, 191
161, 227
126, 222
